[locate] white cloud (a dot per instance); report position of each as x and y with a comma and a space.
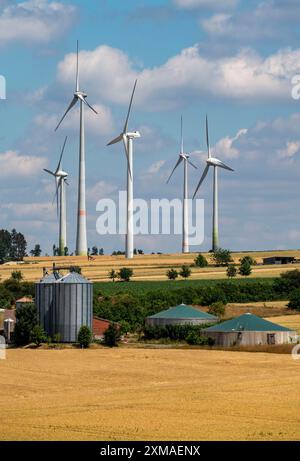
15, 165
211, 4
35, 21
292, 148
225, 146
109, 75
99, 190
98, 124
31, 210
155, 167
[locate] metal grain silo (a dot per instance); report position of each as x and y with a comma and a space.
73, 305
44, 301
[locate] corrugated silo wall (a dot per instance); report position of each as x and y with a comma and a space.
73, 309
44, 301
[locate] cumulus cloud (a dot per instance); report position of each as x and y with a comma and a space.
35, 21
16, 165
109, 74
155, 167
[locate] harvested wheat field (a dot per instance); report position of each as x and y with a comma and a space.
138, 394
145, 267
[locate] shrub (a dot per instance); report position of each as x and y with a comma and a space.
85, 336
218, 308
26, 317
37, 335
172, 274
112, 275
200, 261
125, 326
112, 335
194, 339
125, 274
294, 301
248, 259
17, 275
185, 271
288, 281
245, 268
221, 257
231, 271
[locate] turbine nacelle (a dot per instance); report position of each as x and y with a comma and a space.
212, 161
133, 134
61, 174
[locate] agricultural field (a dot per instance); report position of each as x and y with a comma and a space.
146, 267
146, 394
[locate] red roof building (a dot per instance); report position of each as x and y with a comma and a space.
100, 326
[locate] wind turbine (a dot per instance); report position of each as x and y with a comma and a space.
60, 180
79, 95
127, 137
183, 157
215, 163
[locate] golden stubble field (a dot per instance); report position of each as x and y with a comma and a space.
145, 267
138, 394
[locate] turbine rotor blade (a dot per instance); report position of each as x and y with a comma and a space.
85, 102
190, 163
129, 108
222, 165
125, 141
48, 171
178, 163
201, 179
72, 104
181, 145
61, 155
77, 67
207, 138
114, 141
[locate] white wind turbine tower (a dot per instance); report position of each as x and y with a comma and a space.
60, 181
79, 95
183, 157
215, 163
127, 137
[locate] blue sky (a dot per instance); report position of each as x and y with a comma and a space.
232, 59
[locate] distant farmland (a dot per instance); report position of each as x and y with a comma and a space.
147, 394
145, 267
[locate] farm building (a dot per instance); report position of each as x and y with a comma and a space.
249, 330
9, 321
100, 326
180, 315
23, 302
279, 260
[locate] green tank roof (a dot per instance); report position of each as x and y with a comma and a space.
183, 312
247, 322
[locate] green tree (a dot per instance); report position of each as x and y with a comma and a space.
231, 271
66, 251
125, 274
125, 326
218, 308
18, 246
36, 251
248, 259
94, 251
221, 257
245, 269
26, 320
76, 269
5, 245
85, 336
37, 335
112, 335
101, 251
200, 261
294, 300
172, 274
112, 274
185, 271
17, 275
